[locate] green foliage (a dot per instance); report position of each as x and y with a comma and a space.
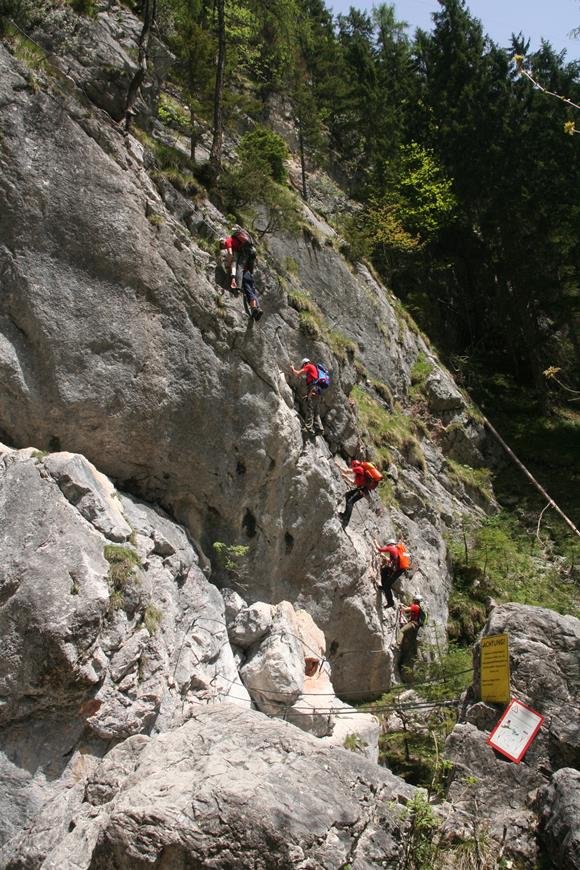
122, 563
152, 617
172, 113
263, 147
388, 429
383, 391
444, 671
499, 558
420, 847
84, 7
354, 743
341, 346
290, 265
230, 556
27, 51
155, 219
186, 182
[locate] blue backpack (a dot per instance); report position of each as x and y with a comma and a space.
323, 377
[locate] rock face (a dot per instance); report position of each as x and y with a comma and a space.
228, 789
113, 334
88, 655
559, 808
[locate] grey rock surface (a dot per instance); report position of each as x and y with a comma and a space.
250, 624
144, 356
228, 789
90, 492
558, 805
79, 667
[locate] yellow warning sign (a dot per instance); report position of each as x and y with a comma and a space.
495, 669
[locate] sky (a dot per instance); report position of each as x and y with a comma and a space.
550, 19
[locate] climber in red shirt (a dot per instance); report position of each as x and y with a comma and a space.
413, 612
357, 475
240, 251
312, 422
391, 568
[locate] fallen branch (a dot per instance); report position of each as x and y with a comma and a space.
530, 476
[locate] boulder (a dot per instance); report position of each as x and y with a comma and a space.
229, 788
251, 624
274, 671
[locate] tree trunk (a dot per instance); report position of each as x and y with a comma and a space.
150, 11
194, 137
302, 162
215, 157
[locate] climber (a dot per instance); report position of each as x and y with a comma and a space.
241, 252
395, 561
250, 293
365, 477
312, 421
415, 616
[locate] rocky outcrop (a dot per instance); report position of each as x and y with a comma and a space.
228, 789
97, 641
488, 790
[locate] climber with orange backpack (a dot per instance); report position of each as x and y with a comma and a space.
241, 253
365, 477
396, 560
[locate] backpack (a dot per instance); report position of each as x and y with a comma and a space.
404, 556
372, 474
323, 377
422, 618
242, 236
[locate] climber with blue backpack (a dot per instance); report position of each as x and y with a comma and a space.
317, 379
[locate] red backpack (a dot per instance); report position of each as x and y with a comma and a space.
243, 237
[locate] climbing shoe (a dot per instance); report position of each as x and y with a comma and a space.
257, 313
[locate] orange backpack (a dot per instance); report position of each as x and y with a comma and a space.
404, 556
372, 474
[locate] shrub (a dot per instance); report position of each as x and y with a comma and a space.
476, 480
263, 146
230, 556
172, 113
84, 7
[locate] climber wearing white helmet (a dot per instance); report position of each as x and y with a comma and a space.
395, 560
311, 401
415, 615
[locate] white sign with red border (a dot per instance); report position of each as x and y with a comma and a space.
515, 731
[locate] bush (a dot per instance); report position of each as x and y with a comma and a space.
263, 146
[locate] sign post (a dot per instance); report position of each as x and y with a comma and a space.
515, 731
495, 669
